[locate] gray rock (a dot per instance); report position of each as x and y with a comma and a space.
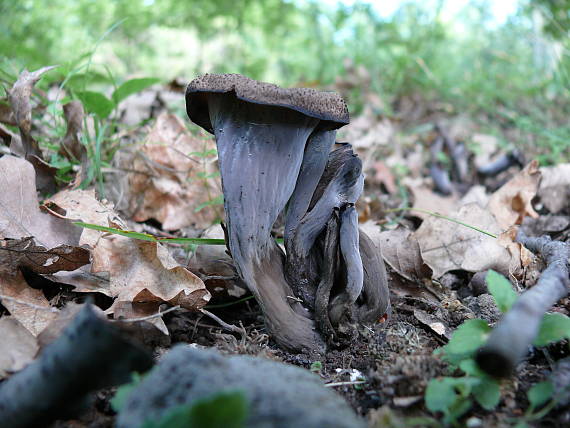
279, 395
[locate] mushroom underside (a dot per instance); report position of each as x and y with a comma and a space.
331, 279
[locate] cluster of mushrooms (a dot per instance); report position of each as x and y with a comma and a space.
278, 157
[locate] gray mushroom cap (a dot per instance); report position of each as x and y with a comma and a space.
329, 107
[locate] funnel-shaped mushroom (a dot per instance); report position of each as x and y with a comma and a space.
274, 151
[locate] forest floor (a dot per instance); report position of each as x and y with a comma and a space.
161, 178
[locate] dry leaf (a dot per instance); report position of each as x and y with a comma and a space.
130, 310
513, 201
19, 97
30, 306
71, 146
24, 253
485, 147
426, 199
554, 190
215, 267
6, 114
20, 215
82, 205
447, 246
383, 175
173, 183
402, 252
144, 271
18, 346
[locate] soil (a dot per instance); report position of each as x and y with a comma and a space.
395, 359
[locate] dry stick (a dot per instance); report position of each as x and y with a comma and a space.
511, 338
223, 323
148, 317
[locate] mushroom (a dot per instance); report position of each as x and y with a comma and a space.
274, 148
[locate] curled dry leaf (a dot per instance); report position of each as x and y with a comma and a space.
554, 188
24, 253
18, 346
446, 245
19, 97
71, 146
513, 201
174, 178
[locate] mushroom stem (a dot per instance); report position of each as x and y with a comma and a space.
260, 154
314, 163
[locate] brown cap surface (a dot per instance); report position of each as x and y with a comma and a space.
327, 106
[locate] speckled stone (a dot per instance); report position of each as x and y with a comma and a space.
279, 395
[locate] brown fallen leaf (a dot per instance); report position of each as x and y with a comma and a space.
171, 183
71, 146
554, 190
131, 310
144, 271
28, 305
24, 253
18, 346
215, 267
383, 175
513, 201
20, 215
426, 199
447, 246
402, 252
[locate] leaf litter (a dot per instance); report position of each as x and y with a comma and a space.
174, 174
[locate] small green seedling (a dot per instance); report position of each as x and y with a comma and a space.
454, 396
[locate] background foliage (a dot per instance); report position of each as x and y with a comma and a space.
515, 73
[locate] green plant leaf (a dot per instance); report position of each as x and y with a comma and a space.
470, 367
131, 87
502, 290
540, 394
440, 394
123, 392
468, 337
553, 328
224, 410
316, 366
487, 393
218, 200
96, 103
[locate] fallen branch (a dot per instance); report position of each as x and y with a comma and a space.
511, 338
89, 355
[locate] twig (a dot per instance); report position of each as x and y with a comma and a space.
350, 382
149, 317
510, 340
223, 323
31, 305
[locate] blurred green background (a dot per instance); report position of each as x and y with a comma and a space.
504, 61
